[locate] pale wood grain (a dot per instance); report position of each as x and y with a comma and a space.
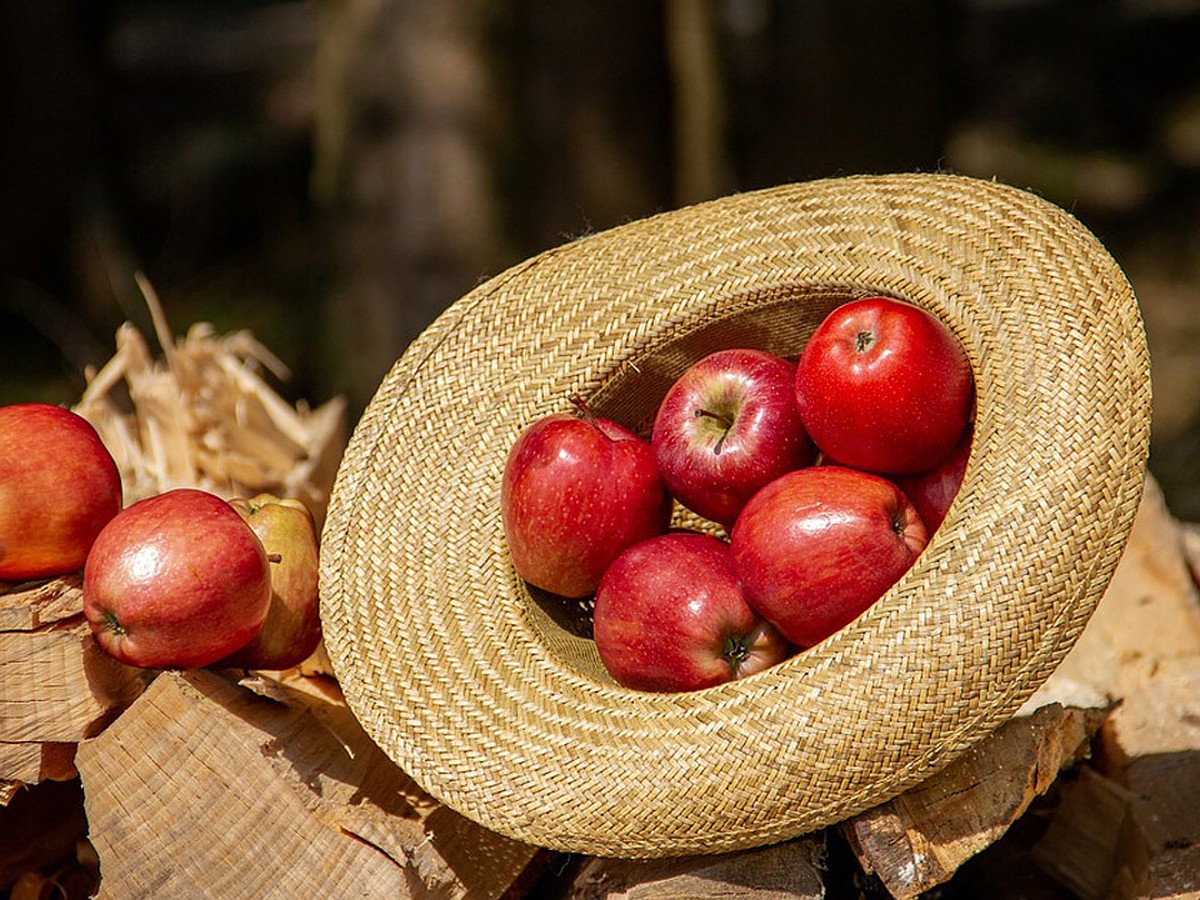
205, 789
57, 686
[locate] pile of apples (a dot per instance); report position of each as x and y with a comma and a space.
828, 474
179, 580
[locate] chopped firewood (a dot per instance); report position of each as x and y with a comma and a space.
249, 796
919, 839
1094, 845
1135, 822
1149, 614
1151, 746
36, 604
20, 763
447, 842
56, 685
205, 416
27, 762
784, 871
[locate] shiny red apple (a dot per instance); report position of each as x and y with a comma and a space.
576, 492
670, 616
178, 580
884, 386
727, 427
292, 629
59, 487
933, 491
816, 547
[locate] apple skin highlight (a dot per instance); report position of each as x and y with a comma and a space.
176, 581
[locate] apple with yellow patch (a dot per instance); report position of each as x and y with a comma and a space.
292, 629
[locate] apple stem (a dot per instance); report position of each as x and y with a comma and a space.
724, 420
863, 340
274, 558
584, 410
709, 414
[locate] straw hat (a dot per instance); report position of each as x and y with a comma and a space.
492, 697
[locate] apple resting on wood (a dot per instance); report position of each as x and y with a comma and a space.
726, 428
818, 546
59, 487
292, 628
178, 580
670, 616
577, 491
884, 386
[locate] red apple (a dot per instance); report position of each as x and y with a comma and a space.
577, 491
728, 427
884, 386
670, 616
178, 580
59, 487
818, 546
933, 491
292, 628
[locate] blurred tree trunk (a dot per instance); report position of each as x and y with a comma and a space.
454, 138
702, 166
401, 170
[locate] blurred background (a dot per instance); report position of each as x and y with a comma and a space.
332, 175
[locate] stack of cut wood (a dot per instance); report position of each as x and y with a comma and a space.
220, 784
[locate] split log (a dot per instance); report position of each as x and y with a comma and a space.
1094, 845
248, 796
31, 762
1150, 745
919, 839
57, 686
784, 871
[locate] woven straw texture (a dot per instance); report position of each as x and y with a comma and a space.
491, 696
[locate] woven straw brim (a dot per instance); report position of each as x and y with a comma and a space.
488, 695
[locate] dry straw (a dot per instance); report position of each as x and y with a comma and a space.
489, 695
204, 415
